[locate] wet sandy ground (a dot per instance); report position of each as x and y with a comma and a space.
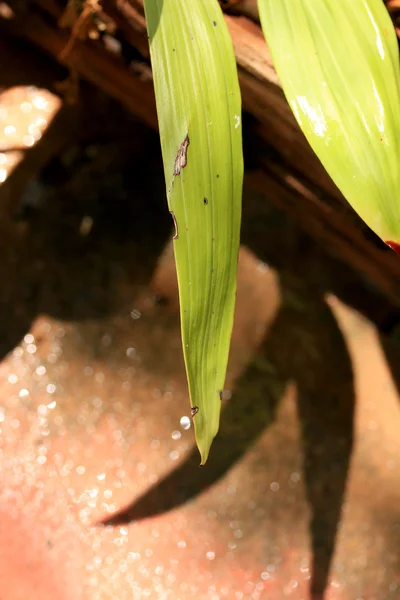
101, 495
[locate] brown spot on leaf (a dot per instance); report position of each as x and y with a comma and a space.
194, 411
205, 201
181, 157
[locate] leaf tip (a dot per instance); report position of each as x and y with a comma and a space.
204, 454
204, 442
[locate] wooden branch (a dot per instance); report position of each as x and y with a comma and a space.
90, 59
293, 178
316, 213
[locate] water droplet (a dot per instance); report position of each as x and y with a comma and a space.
106, 339
50, 388
26, 107
335, 584
176, 435
295, 477
270, 568
210, 555
274, 486
33, 130
101, 476
265, 575
31, 348
28, 141
41, 122
97, 402
15, 423
185, 422
12, 378
3, 175
86, 225
134, 556
262, 267
39, 102
136, 314
99, 377
174, 455
41, 370
131, 352
304, 569
23, 393
107, 494
9, 130
181, 544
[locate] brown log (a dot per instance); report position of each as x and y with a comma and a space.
90, 59
293, 179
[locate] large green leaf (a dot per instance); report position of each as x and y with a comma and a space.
199, 114
338, 63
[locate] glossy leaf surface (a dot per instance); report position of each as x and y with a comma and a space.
199, 113
338, 62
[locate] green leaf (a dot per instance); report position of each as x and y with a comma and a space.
338, 62
199, 114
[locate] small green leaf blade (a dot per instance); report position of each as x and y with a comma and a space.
338, 62
199, 113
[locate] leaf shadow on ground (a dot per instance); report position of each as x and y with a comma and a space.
304, 345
